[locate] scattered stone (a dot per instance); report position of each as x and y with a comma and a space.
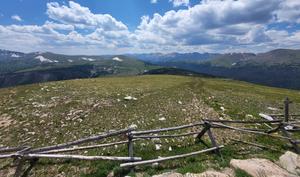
289, 127
162, 119
170, 148
153, 165
133, 126
179, 102
130, 98
260, 167
291, 162
157, 147
5, 120
222, 108
272, 109
267, 117
249, 116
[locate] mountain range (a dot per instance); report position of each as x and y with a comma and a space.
20, 68
278, 68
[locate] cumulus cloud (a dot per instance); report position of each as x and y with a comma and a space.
177, 3
82, 17
210, 26
209, 22
153, 1
16, 17
289, 11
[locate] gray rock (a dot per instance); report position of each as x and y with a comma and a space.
169, 174
291, 162
260, 167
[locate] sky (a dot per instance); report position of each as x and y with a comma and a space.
149, 26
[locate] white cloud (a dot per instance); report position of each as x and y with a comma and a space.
82, 17
210, 22
153, 1
16, 17
177, 3
289, 11
210, 26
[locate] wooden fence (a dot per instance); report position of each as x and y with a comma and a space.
27, 156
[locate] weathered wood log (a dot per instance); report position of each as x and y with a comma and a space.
5, 156
203, 131
81, 157
84, 147
81, 141
282, 115
254, 144
249, 131
243, 121
165, 136
213, 141
12, 149
295, 145
19, 168
166, 129
276, 129
131, 164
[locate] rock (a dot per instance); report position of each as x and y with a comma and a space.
227, 172
291, 162
249, 116
169, 174
111, 174
207, 174
162, 119
154, 165
222, 108
260, 167
157, 146
272, 109
130, 98
133, 126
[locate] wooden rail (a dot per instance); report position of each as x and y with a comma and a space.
81, 141
132, 164
166, 129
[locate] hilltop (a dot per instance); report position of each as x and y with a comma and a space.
56, 112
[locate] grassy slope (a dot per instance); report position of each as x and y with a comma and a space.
55, 112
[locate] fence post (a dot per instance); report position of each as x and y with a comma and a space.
130, 148
212, 139
286, 109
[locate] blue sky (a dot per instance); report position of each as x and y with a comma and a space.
144, 26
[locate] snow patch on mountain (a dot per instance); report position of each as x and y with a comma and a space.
43, 59
117, 59
15, 55
88, 59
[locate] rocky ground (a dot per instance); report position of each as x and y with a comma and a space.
288, 165
57, 112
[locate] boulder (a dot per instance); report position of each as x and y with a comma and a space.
169, 174
208, 174
260, 167
291, 162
